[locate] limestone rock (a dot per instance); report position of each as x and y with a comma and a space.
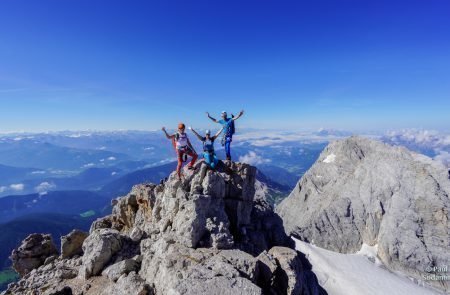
103, 222
71, 244
98, 249
47, 279
115, 271
32, 253
198, 235
136, 234
129, 284
363, 191
290, 267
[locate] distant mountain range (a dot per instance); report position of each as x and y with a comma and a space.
61, 202
14, 231
123, 185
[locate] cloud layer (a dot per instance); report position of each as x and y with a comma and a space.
253, 159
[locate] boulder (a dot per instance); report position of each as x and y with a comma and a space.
130, 284
136, 234
115, 271
289, 267
71, 244
32, 253
98, 248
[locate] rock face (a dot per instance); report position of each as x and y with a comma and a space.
32, 253
99, 248
72, 243
204, 234
363, 191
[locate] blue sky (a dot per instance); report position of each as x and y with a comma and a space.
290, 64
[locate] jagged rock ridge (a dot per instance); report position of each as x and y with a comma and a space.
363, 191
205, 234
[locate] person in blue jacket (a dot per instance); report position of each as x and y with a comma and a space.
208, 147
228, 130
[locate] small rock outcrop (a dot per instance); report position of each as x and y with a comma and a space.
363, 191
204, 234
99, 248
32, 253
72, 243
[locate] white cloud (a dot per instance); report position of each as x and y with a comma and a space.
429, 142
38, 172
444, 158
253, 159
102, 148
263, 138
149, 148
88, 165
3, 189
17, 187
113, 173
111, 158
44, 187
429, 138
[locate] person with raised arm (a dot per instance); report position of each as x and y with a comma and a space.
228, 130
208, 146
182, 146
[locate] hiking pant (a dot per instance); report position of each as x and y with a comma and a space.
189, 152
228, 147
210, 159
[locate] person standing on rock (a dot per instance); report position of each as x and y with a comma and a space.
228, 130
183, 147
208, 147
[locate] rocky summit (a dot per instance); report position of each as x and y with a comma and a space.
211, 232
363, 191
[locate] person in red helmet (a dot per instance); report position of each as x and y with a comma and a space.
183, 147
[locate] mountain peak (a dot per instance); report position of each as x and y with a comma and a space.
361, 191
204, 233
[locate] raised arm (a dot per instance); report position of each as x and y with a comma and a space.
212, 119
167, 134
238, 116
196, 134
218, 133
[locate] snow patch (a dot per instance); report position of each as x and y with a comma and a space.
330, 158
355, 274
